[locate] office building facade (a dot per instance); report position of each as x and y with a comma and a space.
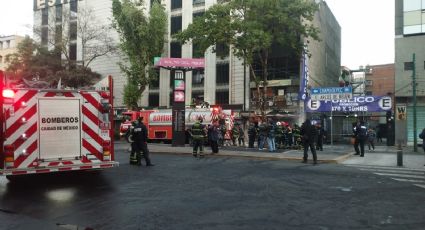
222, 82
409, 67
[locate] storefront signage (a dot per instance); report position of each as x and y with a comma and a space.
356, 104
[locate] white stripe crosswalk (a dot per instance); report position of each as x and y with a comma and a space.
414, 176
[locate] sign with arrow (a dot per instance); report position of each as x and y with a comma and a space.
331, 93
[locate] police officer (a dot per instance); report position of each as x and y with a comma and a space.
360, 133
139, 145
198, 134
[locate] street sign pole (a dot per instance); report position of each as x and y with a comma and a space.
178, 110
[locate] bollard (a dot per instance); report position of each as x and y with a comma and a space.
399, 155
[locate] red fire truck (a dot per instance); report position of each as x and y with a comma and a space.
51, 130
158, 122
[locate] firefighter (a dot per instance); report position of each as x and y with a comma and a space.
235, 134
140, 138
198, 134
297, 137
279, 135
130, 139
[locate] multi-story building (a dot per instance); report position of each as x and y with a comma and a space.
380, 81
8, 45
222, 81
409, 67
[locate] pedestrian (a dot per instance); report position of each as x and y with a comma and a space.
320, 136
371, 135
213, 136
140, 138
422, 136
241, 139
360, 135
308, 135
378, 134
198, 134
252, 134
263, 130
271, 138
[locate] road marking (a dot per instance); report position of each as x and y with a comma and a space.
408, 180
414, 176
398, 175
393, 171
385, 167
420, 185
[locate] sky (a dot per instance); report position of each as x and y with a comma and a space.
367, 28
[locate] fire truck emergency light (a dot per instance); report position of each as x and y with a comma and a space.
8, 93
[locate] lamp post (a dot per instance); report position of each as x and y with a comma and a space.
415, 136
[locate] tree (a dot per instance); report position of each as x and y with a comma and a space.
82, 26
141, 39
35, 62
251, 28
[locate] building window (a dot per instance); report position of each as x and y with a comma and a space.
44, 16
1, 59
73, 7
172, 72
196, 2
408, 66
197, 14
198, 77
413, 16
369, 82
410, 5
176, 4
176, 24
175, 50
153, 100
1, 45
222, 98
153, 1
171, 98
222, 50
59, 13
8, 44
154, 83
73, 31
222, 73
196, 51
73, 52
44, 35
369, 93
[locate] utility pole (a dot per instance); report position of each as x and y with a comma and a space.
415, 136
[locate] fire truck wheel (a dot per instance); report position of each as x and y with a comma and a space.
13, 178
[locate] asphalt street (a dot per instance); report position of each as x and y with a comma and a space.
182, 192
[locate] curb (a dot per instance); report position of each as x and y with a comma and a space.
331, 161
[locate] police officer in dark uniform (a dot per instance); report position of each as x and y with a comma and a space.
198, 134
360, 133
140, 138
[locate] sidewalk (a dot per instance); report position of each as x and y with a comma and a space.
329, 154
343, 154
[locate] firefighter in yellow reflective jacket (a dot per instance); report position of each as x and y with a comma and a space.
198, 136
235, 134
130, 139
